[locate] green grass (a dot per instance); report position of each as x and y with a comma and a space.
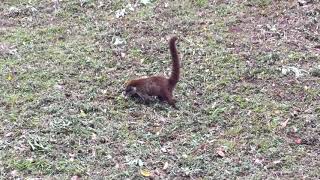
63, 115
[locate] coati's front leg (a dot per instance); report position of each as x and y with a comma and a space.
144, 96
133, 92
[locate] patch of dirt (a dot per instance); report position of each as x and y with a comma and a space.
282, 27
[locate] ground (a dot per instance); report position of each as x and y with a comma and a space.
248, 98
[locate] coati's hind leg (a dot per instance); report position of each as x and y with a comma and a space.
167, 96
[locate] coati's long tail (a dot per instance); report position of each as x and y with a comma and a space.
174, 78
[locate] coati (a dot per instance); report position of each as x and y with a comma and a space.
157, 86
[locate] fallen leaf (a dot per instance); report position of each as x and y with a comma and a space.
165, 166
75, 177
304, 2
288, 69
94, 136
118, 41
144, 2
145, 172
57, 86
130, 7
14, 173
277, 162
164, 149
284, 124
294, 113
184, 155
9, 78
9, 134
140, 162
120, 13
298, 141
294, 129
82, 113
220, 152
258, 161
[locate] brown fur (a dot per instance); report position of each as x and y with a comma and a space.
158, 86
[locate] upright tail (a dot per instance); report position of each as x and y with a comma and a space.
174, 78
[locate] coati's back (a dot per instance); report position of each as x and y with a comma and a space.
151, 86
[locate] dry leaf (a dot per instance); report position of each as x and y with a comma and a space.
298, 141
82, 113
9, 78
277, 162
164, 149
220, 152
145, 172
130, 7
120, 13
145, 2
284, 124
119, 41
94, 136
8, 134
75, 178
14, 173
294, 129
258, 161
165, 166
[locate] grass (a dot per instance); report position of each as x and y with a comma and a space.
62, 113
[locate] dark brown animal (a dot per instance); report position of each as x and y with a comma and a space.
158, 86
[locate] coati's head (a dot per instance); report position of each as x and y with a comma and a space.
130, 90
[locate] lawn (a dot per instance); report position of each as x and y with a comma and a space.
248, 97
